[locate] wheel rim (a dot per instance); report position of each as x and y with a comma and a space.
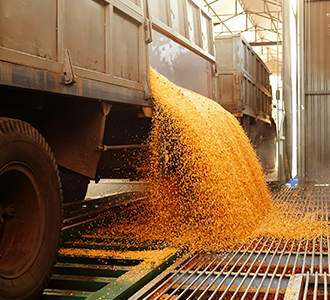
21, 233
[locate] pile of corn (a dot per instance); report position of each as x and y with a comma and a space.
289, 221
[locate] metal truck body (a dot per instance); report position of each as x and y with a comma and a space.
74, 82
76, 105
230, 73
182, 49
93, 44
88, 50
243, 88
243, 85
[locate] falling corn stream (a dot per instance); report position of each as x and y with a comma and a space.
205, 186
205, 194
212, 190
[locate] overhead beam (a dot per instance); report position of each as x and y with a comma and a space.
210, 7
265, 43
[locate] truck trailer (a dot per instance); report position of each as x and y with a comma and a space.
76, 105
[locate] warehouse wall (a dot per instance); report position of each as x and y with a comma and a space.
314, 106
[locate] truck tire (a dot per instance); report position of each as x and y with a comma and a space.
31, 211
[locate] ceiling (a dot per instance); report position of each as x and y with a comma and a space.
260, 22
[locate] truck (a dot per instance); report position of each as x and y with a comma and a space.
76, 105
244, 89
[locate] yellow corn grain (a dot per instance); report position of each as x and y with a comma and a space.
213, 193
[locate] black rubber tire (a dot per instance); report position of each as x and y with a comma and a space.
29, 239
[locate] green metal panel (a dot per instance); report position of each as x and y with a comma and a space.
82, 276
135, 280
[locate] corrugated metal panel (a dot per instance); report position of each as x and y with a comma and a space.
317, 46
317, 133
315, 107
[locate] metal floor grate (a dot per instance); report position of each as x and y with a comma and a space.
261, 269
308, 286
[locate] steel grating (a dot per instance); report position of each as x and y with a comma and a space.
262, 269
92, 267
106, 273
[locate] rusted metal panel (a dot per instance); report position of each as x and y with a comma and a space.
126, 47
181, 66
314, 106
86, 33
29, 26
105, 39
75, 135
30, 78
182, 47
243, 85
